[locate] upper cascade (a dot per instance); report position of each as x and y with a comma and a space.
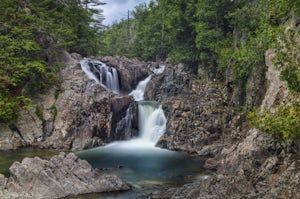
101, 73
158, 70
138, 93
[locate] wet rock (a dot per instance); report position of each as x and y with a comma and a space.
211, 164
130, 71
63, 175
124, 111
82, 110
3, 182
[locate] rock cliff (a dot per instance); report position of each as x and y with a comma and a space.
193, 106
247, 163
77, 113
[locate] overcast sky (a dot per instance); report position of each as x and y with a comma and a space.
114, 10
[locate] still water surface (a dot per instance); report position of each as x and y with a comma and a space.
148, 169
7, 158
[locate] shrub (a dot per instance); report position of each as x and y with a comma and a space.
283, 124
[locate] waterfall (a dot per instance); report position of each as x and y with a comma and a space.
157, 70
138, 93
152, 122
101, 73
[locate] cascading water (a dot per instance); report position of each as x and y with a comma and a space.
158, 70
101, 73
152, 122
145, 166
138, 93
152, 125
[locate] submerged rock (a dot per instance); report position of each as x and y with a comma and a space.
61, 176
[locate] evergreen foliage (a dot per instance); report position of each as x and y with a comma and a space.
31, 34
221, 34
218, 33
228, 35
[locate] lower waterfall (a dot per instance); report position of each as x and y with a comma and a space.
152, 125
146, 167
152, 122
151, 119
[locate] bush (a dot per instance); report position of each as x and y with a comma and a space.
283, 124
10, 107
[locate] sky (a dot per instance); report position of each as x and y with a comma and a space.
114, 10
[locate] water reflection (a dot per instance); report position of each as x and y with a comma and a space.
7, 158
146, 168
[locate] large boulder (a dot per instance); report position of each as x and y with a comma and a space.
61, 176
130, 71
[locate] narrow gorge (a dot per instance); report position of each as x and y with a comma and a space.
189, 114
212, 112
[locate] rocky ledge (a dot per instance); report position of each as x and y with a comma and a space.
246, 163
130, 71
63, 175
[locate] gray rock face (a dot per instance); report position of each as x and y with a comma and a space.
276, 87
9, 139
248, 163
250, 170
81, 107
130, 71
86, 112
63, 175
124, 120
76, 114
194, 109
